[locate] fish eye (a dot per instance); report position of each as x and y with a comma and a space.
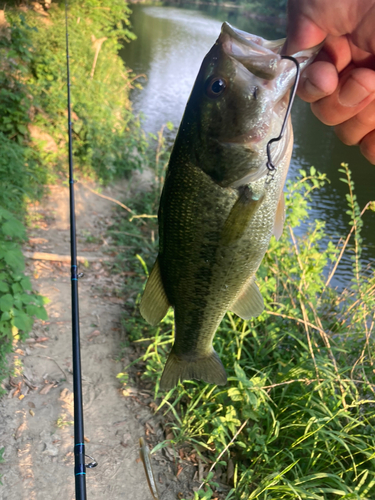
215, 87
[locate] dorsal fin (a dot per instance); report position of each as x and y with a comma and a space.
154, 304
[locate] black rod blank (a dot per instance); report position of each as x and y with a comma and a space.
79, 444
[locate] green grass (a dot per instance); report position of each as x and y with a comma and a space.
297, 417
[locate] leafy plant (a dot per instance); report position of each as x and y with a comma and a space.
107, 137
18, 305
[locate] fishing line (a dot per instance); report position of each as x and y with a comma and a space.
271, 167
79, 441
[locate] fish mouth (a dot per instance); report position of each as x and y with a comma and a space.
251, 51
260, 56
253, 41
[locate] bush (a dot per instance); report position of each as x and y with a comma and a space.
107, 137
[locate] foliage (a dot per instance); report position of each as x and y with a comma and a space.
18, 304
20, 174
21, 179
33, 124
15, 49
107, 137
297, 416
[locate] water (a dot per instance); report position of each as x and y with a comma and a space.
169, 49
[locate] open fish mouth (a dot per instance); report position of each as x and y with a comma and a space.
258, 54
263, 59
262, 79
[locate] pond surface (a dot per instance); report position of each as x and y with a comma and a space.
170, 47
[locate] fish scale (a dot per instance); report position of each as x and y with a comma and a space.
218, 208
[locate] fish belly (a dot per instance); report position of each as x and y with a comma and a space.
202, 274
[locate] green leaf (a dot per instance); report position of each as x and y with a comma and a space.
15, 260
6, 302
26, 298
17, 288
241, 375
23, 322
5, 316
250, 414
14, 228
3, 287
235, 394
37, 311
5, 329
26, 283
22, 129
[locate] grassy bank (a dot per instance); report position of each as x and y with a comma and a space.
108, 141
297, 418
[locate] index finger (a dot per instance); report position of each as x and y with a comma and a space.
302, 33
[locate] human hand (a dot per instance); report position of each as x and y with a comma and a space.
340, 83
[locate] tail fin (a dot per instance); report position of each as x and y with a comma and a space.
209, 369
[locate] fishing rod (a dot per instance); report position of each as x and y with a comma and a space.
79, 442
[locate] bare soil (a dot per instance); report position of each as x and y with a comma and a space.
37, 412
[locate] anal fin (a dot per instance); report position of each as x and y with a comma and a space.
250, 302
154, 304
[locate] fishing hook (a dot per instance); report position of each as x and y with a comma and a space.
271, 167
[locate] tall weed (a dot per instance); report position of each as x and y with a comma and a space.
297, 418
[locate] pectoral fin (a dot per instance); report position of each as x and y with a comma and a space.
154, 304
250, 303
279, 217
240, 215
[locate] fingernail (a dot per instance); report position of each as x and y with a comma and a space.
352, 93
311, 89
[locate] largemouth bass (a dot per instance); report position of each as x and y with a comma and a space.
218, 208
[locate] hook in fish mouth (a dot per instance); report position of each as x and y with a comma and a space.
271, 167
263, 58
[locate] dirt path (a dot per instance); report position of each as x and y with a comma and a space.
36, 415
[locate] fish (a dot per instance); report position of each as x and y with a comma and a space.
219, 206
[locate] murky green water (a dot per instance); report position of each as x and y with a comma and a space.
169, 50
